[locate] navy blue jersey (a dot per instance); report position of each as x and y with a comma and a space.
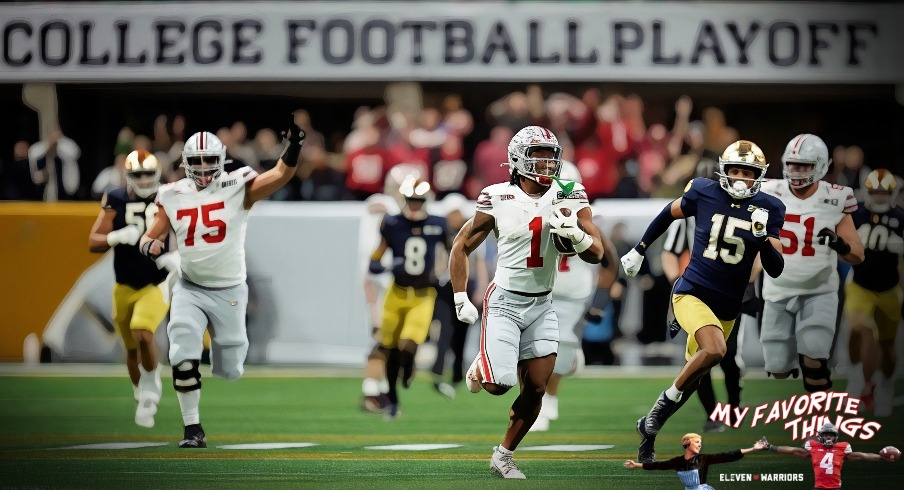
724, 247
881, 234
413, 245
131, 267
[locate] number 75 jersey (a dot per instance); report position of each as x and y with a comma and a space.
209, 225
810, 267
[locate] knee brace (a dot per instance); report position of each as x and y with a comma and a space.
812, 373
186, 376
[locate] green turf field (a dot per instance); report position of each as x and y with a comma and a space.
40, 415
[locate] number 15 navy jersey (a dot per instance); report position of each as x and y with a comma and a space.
724, 246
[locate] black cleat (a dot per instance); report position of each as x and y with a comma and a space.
193, 437
660, 412
646, 452
392, 411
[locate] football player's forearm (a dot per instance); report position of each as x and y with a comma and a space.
772, 260
272, 180
594, 254
458, 268
656, 229
97, 243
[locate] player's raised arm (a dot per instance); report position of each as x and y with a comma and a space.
264, 185
472, 234
789, 450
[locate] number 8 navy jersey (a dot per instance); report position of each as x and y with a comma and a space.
131, 267
413, 245
724, 246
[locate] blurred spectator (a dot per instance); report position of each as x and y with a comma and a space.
110, 178
836, 164
241, 149
54, 164
16, 176
366, 160
489, 162
313, 139
853, 173
267, 148
124, 141
323, 182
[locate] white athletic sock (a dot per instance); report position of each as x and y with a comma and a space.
189, 403
503, 451
135, 392
370, 387
149, 381
673, 393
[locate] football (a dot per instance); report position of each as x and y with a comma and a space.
890, 453
563, 245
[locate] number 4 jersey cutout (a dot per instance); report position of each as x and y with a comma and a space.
216, 236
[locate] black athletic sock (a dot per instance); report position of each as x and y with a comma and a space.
392, 374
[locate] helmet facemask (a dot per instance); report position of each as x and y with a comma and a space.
805, 150
523, 153
828, 435
203, 169
743, 154
416, 193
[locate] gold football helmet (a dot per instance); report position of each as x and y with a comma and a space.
742, 153
881, 190
142, 173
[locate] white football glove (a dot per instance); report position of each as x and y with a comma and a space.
759, 218
124, 236
558, 220
172, 261
631, 262
464, 309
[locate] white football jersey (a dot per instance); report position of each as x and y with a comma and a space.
209, 225
527, 259
575, 279
810, 268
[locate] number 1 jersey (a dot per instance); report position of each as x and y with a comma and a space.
527, 257
810, 267
210, 227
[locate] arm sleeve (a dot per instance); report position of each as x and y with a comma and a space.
669, 464
772, 259
850, 202
726, 457
657, 227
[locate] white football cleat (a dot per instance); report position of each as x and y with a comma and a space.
505, 466
474, 377
540, 425
550, 407
147, 408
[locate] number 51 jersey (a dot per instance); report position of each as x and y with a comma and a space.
209, 225
810, 267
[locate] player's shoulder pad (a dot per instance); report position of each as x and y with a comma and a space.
494, 190
578, 191
114, 198
839, 195
493, 194
772, 185
771, 202
433, 219
166, 191
700, 184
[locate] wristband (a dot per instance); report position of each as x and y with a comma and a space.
460, 297
583, 244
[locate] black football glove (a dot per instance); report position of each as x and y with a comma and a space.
835, 242
295, 137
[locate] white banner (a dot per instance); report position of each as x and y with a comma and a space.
523, 41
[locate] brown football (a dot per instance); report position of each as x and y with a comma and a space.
890, 453
565, 212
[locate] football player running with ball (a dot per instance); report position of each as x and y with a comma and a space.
828, 455
734, 224
139, 302
802, 304
519, 333
208, 211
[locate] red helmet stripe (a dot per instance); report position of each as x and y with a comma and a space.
201, 140
799, 142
